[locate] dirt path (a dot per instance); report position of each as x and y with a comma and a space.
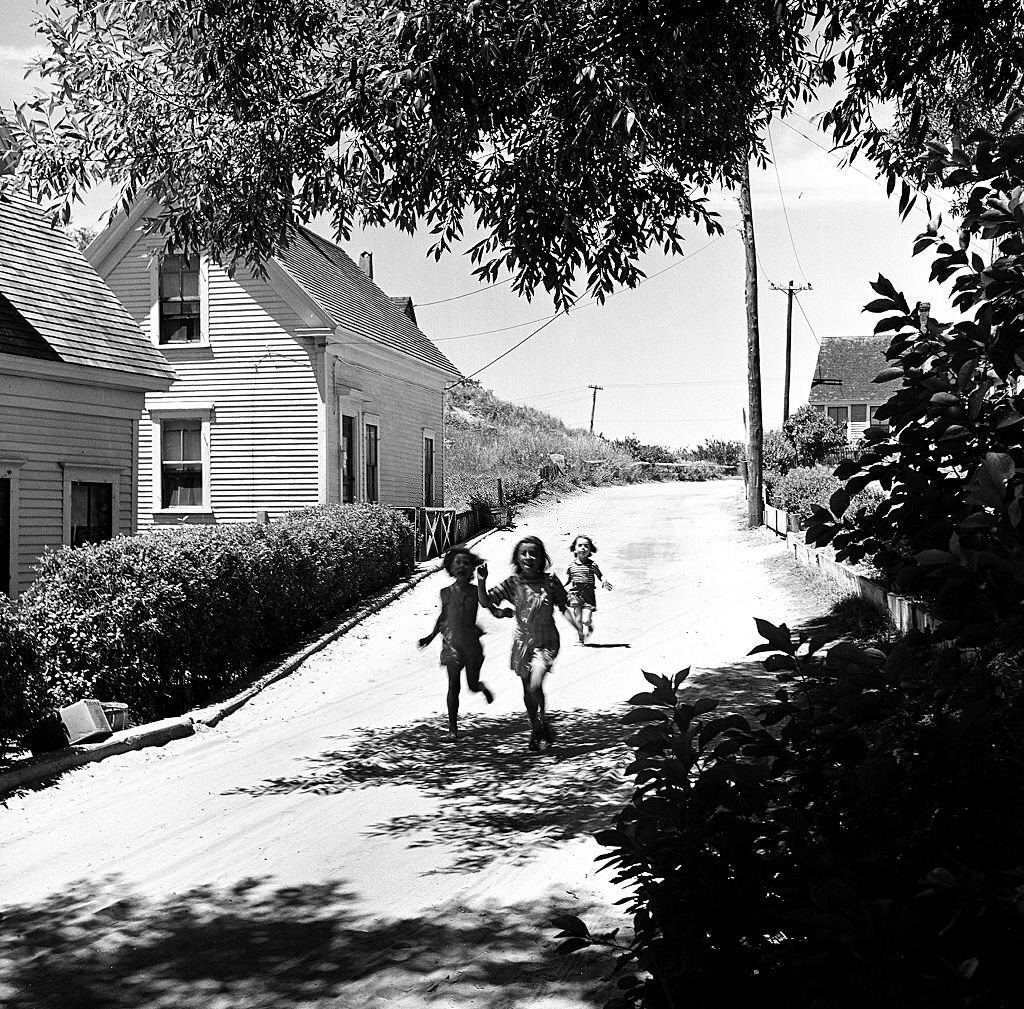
324, 846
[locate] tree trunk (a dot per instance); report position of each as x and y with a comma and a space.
755, 433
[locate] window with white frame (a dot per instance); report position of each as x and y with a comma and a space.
179, 304
371, 457
91, 503
840, 414
181, 459
428, 468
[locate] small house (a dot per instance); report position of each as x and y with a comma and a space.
74, 372
305, 385
843, 385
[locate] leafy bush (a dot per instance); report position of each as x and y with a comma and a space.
803, 489
698, 471
867, 816
164, 621
778, 452
16, 666
724, 453
641, 452
953, 458
813, 435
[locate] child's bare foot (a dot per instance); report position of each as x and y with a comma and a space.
453, 735
487, 692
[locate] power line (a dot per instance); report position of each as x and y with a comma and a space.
576, 308
465, 294
782, 200
557, 314
808, 321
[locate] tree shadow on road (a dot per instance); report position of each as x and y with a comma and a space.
493, 796
94, 946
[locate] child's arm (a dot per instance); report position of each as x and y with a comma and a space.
481, 584
438, 624
604, 581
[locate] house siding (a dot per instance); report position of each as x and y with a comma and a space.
405, 407
271, 375
260, 381
47, 425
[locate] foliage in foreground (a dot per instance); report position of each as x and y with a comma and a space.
953, 460
164, 621
857, 844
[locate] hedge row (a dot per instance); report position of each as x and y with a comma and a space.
797, 490
163, 622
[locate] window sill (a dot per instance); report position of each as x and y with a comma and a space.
186, 351
183, 516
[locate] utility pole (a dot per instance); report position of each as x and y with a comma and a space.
755, 432
593, 405
790, 292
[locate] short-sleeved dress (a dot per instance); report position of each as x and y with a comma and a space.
582, 577
536, 639
460, 634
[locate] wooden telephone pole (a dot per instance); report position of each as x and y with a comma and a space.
755, 431
790, 292
593, 404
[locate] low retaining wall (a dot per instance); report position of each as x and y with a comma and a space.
906, 615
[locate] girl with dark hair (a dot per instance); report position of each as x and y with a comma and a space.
535, 594
460, 635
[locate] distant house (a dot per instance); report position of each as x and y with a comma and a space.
308, 385
74, 371
843, 384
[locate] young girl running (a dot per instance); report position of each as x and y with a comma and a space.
460, 635
534, 593
582, 576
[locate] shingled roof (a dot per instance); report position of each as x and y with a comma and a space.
847, 366
351, 299
55, 306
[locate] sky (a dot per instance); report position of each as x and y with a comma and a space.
670, 356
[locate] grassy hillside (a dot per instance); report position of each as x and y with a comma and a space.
487, 439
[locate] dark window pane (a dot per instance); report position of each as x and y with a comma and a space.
92, 512
859, 413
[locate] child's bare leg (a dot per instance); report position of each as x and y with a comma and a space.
454, 684
533, 694
474, 683
587, 621
577, 612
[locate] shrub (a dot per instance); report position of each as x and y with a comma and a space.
870, 815
16, 666
164, 621
802, 489
778, 452
724, 453
813, 435
697, 471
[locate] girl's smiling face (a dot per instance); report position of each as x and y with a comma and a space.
528, 557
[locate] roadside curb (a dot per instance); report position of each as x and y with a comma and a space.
35, 770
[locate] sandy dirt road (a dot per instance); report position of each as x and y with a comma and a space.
325, 846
